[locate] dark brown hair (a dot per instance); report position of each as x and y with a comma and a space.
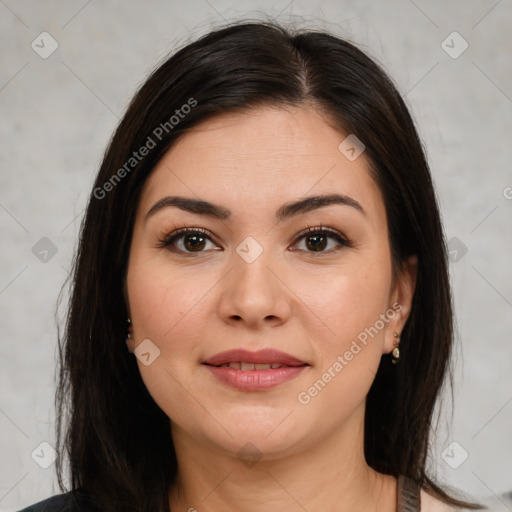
116, 438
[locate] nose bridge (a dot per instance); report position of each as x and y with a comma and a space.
253, 272
253, 279
252, 292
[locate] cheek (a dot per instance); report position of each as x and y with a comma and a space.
161, 298
350, 305
347, 301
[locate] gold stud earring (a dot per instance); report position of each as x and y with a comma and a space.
396, 351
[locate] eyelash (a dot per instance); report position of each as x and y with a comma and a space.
166, 241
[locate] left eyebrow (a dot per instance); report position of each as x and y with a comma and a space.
201, 207
314, 202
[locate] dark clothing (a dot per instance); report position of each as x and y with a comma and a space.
73, 501
408, 500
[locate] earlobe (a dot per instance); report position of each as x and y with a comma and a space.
396, 350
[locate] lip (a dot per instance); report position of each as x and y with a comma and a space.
255, 380
261, 356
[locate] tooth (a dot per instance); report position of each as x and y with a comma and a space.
251, 366
262, 366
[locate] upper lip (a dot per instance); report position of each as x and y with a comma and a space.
261, 356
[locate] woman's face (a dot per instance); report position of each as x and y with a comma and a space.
253, 280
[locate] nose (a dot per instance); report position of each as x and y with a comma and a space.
255, 294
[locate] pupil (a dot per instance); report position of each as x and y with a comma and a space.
318, 244
196, 245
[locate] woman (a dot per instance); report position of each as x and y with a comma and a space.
264, 234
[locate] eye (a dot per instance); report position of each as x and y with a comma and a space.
316, 240
195, 240
187, 240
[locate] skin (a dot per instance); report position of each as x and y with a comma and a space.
312, 306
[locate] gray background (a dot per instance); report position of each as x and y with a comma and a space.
58, 114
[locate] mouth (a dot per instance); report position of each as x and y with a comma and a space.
265, 359
240, 365
254, 371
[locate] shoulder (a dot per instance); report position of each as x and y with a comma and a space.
72, 501
56, 503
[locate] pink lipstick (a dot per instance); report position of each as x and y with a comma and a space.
254, 371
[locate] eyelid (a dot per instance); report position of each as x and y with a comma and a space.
320, 228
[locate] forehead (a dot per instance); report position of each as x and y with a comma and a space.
261, 157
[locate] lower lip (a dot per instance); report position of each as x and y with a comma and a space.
255, 380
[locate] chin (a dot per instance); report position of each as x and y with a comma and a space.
259, 446
269, 437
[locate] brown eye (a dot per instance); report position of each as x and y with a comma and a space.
187, 241
194, 242
316, 240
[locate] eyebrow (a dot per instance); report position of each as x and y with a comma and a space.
288, 210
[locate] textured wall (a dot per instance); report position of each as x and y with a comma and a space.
58, 112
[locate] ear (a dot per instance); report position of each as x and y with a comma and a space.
400, 301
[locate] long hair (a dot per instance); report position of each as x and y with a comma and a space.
117, 440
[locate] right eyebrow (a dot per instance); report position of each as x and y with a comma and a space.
197, 206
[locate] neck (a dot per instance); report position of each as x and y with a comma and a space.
331, 475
